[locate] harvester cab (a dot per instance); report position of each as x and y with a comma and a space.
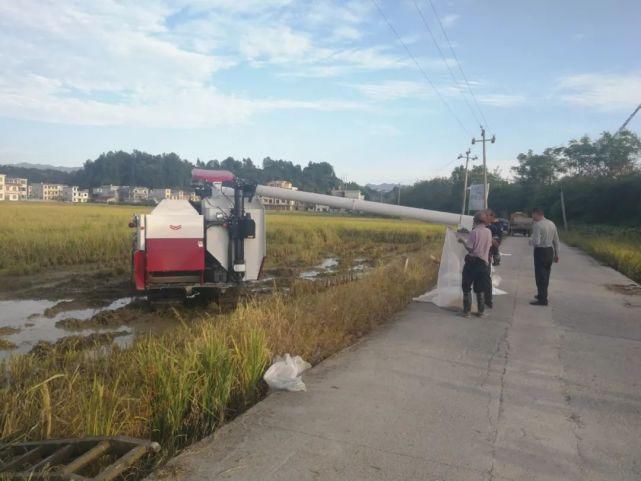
201, 247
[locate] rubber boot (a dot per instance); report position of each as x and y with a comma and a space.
489, 298
467, 304
480, 302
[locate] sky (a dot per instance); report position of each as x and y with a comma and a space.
322, 80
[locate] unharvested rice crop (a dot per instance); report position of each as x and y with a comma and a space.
617, 247
38, 236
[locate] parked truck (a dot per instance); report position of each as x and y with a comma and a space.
520, 223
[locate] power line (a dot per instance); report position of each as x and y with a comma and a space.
447, 38
440, 51
418, 65
445, 165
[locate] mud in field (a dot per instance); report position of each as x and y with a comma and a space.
83, 309
87, 283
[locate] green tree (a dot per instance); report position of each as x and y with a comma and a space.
538, 169
609, 155
618, 155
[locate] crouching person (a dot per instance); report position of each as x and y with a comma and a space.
476, 269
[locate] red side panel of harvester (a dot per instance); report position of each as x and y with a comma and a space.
175, 255
170, 247
140, 270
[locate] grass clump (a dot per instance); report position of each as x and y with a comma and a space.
617, 247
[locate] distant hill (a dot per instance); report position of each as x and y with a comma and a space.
27, 165
37, 175
384, 187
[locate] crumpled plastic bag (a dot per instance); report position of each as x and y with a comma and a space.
285, 373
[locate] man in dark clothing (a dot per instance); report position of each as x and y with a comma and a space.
545, 240
494, 257
497, 237
475, 273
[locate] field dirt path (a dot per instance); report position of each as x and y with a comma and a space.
529, 393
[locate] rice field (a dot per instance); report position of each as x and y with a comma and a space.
178, 387
617, 247
40, 236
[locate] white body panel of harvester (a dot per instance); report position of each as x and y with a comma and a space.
220, 203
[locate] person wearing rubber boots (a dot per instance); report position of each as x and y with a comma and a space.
475, 271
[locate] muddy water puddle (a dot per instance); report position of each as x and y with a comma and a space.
25, 322
76, 317
332, 266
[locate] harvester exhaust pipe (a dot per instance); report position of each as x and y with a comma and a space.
238, 266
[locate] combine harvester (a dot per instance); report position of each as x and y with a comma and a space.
206, 247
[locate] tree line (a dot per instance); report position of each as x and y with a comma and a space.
600, 180
169, 170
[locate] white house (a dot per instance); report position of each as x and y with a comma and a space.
44, 191
15, 188
74, 194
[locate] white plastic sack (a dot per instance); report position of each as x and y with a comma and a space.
496, 282
448, 293
285, 373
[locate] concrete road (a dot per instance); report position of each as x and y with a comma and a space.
530, 393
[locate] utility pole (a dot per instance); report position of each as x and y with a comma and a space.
565, 219
467, 162
398, 195
483, 140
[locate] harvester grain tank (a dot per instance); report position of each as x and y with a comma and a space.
219, 242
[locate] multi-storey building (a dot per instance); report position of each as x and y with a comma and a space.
74, 194
2, 179
159, 194
133, 194
45, 191
15, 188
348, 194
178, 194
105, 193
271, 203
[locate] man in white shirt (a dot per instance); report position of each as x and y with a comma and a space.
545, 240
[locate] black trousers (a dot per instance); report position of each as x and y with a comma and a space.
475, 274
488, 286
543, 259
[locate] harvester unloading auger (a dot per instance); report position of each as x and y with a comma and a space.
208, 246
